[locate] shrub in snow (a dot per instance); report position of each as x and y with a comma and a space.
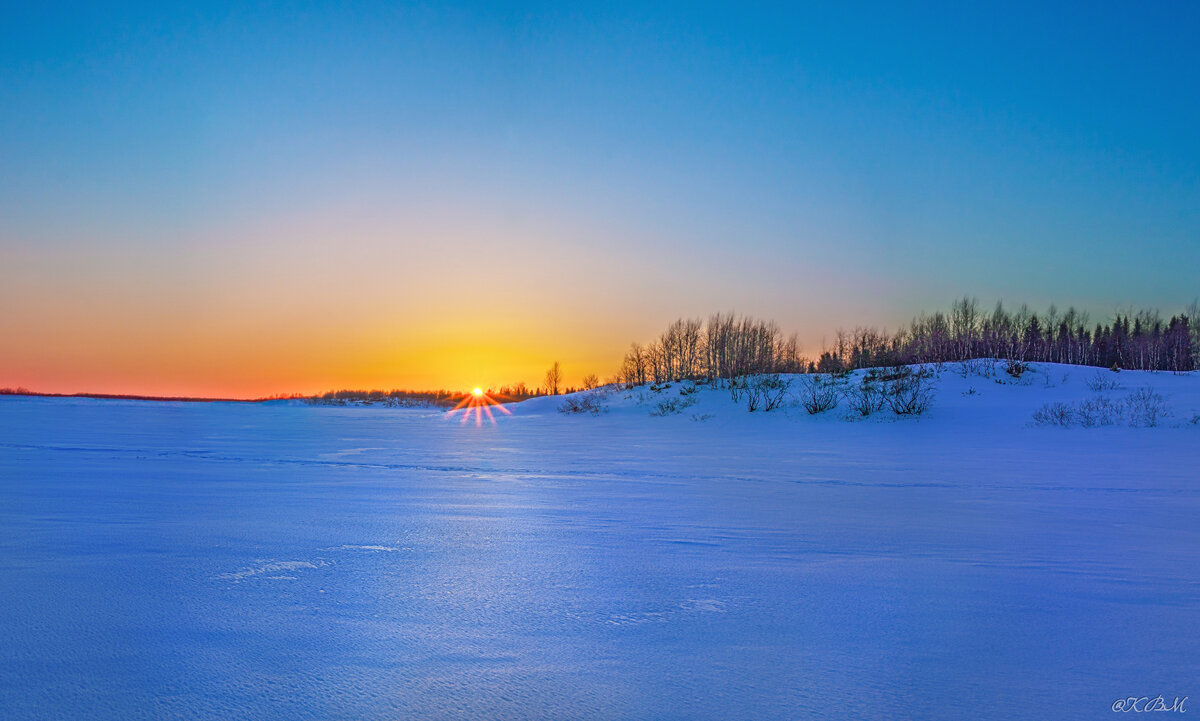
982, 367
1016, 368
1102, 411
1100, 383
818, 393
867, 397
583, 403
1142, 408
1145, 408
1054, 414
908, 392
738, 386
766, 391
673, 406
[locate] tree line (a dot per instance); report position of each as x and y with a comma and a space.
725, 346
398, 397
730, 346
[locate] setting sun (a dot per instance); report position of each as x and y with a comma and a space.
478, 404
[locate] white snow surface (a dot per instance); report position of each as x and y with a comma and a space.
281, 561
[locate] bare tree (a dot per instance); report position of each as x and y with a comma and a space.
1193, 316
590, 381
688, 343
553, 379
790, 360
635, 368
679, 349
964, 325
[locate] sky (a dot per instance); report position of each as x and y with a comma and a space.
235, 199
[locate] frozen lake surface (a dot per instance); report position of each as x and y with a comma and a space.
277, 561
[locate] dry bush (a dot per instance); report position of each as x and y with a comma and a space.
1101, 383
982, 367
1145, 408
767, 392
1054, 414
867, 397
818, 393
583, 403
673, 406
1102, 411
908, 392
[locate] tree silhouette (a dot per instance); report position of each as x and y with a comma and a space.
553, 379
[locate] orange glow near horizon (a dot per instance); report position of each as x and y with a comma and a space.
274, 334
239, 370
239, 373
271, 305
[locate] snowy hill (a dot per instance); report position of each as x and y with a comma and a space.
975, 395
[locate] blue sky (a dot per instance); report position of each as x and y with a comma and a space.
519, 171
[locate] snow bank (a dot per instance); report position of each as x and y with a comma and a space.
162, 560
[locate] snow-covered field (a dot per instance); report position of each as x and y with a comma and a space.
279, 561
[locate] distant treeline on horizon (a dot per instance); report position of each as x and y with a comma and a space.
393, 398
20, 391
411, 398
729, 346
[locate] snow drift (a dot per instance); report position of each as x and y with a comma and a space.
164, 560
